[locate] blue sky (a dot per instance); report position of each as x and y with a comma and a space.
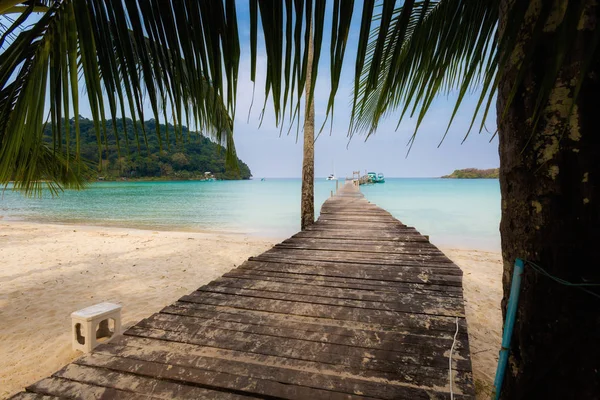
270, 155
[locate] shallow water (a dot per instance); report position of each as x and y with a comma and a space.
463, 213
458, 213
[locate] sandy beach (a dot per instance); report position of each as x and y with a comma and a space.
482, 285
49, 271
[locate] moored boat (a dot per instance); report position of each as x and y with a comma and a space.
373, 177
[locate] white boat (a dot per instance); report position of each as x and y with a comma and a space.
332, 177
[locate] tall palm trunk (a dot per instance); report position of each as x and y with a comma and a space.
307, 208
550, 183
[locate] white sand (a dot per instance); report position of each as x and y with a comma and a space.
48, 271
482, 284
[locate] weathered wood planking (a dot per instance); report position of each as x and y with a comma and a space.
358, 306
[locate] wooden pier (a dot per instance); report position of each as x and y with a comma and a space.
359, 179
358, 306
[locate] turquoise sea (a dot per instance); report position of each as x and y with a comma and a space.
458, 213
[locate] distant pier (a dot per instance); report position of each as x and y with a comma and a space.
367, 178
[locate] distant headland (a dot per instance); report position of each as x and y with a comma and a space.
474, 173
189, 157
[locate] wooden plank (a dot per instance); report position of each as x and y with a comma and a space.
403, 302
407, 236
347, 257
201, 371
328, 323
335, 293
315, 331
344, 223
375, 266
333, 254
281, 343
355, 213
381, 266
362, 232
343, 365
242, 377
344, 283
358, 248
384, 223
336, 269
415, 349
417, 322
381, 242
140, 384
60, 387
32, 396
356, 226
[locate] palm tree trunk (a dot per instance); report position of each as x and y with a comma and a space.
307, 207
550, 188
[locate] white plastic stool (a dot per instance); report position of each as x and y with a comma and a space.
91, 325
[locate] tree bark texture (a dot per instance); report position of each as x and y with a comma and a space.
307, 207
551, 215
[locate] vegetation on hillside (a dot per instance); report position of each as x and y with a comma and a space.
474, 173
183, 156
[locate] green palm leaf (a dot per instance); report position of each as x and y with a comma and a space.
181, 57
289, 21
422, 49
418, 51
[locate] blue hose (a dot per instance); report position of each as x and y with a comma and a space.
511, 312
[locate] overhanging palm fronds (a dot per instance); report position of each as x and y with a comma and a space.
289, 21
420, 50
424, 48
181, 57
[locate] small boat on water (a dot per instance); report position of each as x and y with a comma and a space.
332, 177
375, 178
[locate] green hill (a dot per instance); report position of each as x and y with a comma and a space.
184, 159
474, 173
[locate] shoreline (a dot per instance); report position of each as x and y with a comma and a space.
52, 269
90, 225
441, 243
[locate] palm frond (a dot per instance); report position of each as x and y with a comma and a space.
289, 22
181, 57
426, 48
41, 164
420, 50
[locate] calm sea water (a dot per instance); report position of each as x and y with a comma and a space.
461, 213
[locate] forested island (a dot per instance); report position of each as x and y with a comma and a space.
474, 173
186, 159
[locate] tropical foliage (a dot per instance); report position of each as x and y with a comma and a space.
182, 58
171, 159
422, 49
124, 54
474, 173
